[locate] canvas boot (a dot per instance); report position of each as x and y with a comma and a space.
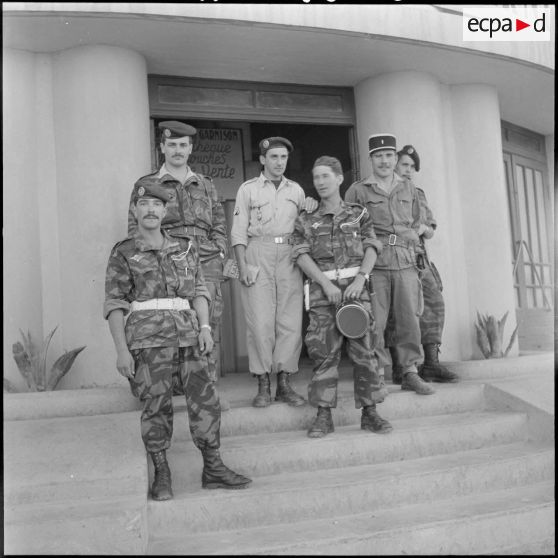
396, 368
432, 370
322, 425
286, 393
371, 420
413, 382
263, 399
161, 488
216, 475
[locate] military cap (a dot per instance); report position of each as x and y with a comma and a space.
174, 129
151, 191
269, 143
381, 141
412, 153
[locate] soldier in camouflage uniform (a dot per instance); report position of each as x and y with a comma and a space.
395, 210
336, 248
157, 281
433, 315
194, 211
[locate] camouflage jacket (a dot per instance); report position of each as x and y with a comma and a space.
136, 272
194, 204
427, 217
334, 241
395, 213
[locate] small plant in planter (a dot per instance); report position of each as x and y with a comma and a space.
490, 336
31, 362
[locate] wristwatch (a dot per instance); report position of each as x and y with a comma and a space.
365, 275
206, 326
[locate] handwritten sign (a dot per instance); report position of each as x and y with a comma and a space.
218, 154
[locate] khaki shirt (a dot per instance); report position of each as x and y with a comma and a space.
263, 210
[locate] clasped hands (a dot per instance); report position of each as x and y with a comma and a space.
352, 292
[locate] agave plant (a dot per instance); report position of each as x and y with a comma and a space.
31, 361
490, 336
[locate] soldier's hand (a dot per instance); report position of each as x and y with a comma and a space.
333, 293
310, 205
125, 364
354, 290
205, 341
244, 277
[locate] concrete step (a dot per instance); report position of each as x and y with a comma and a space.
257, 455
293, 497
116, 526
243, 419
478, 523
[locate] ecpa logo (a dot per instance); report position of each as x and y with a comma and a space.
506, 24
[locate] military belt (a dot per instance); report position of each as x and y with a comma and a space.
336, 274
161, 304
284, 239
196, 231
395, 240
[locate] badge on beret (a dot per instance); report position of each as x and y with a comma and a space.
265, 144
410, 150
141, 191
170, 195
167, 133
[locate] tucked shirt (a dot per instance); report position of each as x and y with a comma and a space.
263, 210
334, 240
395, 213
138, 272
193, 204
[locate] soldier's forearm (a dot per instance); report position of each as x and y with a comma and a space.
116, 326
311, 269
202, 310
367, 263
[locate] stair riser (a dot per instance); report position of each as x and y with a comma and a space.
339, 450
279, 417
113, 532
466, 536
227, 510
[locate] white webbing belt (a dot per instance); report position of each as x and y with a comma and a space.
335, 274
161, 304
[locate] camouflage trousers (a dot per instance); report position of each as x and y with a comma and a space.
433, 313
152, 383
323, 342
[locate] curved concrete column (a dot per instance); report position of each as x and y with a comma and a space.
484, 203
413, 106
102, 146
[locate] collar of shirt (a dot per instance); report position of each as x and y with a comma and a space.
264, 181
342, 208
163, 171
372, 181
169, 244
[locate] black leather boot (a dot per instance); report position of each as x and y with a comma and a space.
161, 488
263, 399
216, 475
396, 368
322, 425
432, 370
371, 420
286, 393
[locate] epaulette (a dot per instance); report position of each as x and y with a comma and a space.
121, 242
251, 180
357, 206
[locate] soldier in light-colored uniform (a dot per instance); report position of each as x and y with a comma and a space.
394, 206
336, 248
264, 216
157, 282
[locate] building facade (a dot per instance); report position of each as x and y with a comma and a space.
84, 85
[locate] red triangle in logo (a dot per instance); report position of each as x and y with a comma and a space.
519, 25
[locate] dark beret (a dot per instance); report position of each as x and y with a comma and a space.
270, 143
174, 129
412, 153
381, 141
151, 191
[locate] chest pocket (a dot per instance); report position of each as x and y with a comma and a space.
200, 202
291, 207
405, 206
322, 242
352, 240
378, 207
184, 265
146, 273
261, 212
173, 210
